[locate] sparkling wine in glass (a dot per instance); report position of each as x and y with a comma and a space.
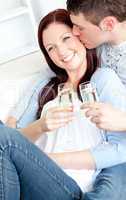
89, 94
65, 94
65, 98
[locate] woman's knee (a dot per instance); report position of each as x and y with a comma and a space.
109, 184
7, 136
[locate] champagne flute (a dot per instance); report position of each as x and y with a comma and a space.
65, 98
89, 94
65, 94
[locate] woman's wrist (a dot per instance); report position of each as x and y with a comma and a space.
41, 127
33, 131
11, 122
123, 126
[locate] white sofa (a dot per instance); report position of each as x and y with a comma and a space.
18, 76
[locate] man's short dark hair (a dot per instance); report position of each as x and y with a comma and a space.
96, 10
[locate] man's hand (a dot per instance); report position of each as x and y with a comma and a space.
106, 116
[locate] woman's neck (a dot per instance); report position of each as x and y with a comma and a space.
75, 76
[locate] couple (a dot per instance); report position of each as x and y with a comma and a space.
27, 170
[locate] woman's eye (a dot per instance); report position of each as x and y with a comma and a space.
49, 49
66, 38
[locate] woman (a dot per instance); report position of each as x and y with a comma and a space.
30, 171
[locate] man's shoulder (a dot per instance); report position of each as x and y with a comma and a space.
104, 72
105, 75
102, 48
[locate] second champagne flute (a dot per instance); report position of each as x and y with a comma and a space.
89, 94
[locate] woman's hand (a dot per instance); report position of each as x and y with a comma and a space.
57, 117
11, 122
105, 116
53, 119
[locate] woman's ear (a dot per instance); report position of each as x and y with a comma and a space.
108, 23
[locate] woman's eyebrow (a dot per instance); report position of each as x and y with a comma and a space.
65, 34
51, 44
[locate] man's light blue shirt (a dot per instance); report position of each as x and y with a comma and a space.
114, 57
110, 90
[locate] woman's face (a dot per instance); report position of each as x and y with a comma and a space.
65, 49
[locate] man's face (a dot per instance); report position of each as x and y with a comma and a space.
89, 34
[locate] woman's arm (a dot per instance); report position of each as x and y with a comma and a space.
74, 160
34, 130
52, 119
25, 111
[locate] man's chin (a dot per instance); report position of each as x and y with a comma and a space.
88, 46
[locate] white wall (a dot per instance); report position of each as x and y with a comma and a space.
46, 6
22, 66
7, 5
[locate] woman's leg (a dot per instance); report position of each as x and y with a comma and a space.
110, 184
24, 167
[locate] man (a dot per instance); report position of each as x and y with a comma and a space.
102, 24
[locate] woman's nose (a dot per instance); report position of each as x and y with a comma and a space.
61, 50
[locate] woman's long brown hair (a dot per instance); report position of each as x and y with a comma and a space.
49, 92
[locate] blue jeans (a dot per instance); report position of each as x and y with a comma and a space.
26, 170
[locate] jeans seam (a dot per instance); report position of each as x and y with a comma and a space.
42, 166
2, 185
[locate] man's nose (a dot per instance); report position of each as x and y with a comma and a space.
76, 31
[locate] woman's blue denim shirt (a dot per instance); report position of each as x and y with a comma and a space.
110, 90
